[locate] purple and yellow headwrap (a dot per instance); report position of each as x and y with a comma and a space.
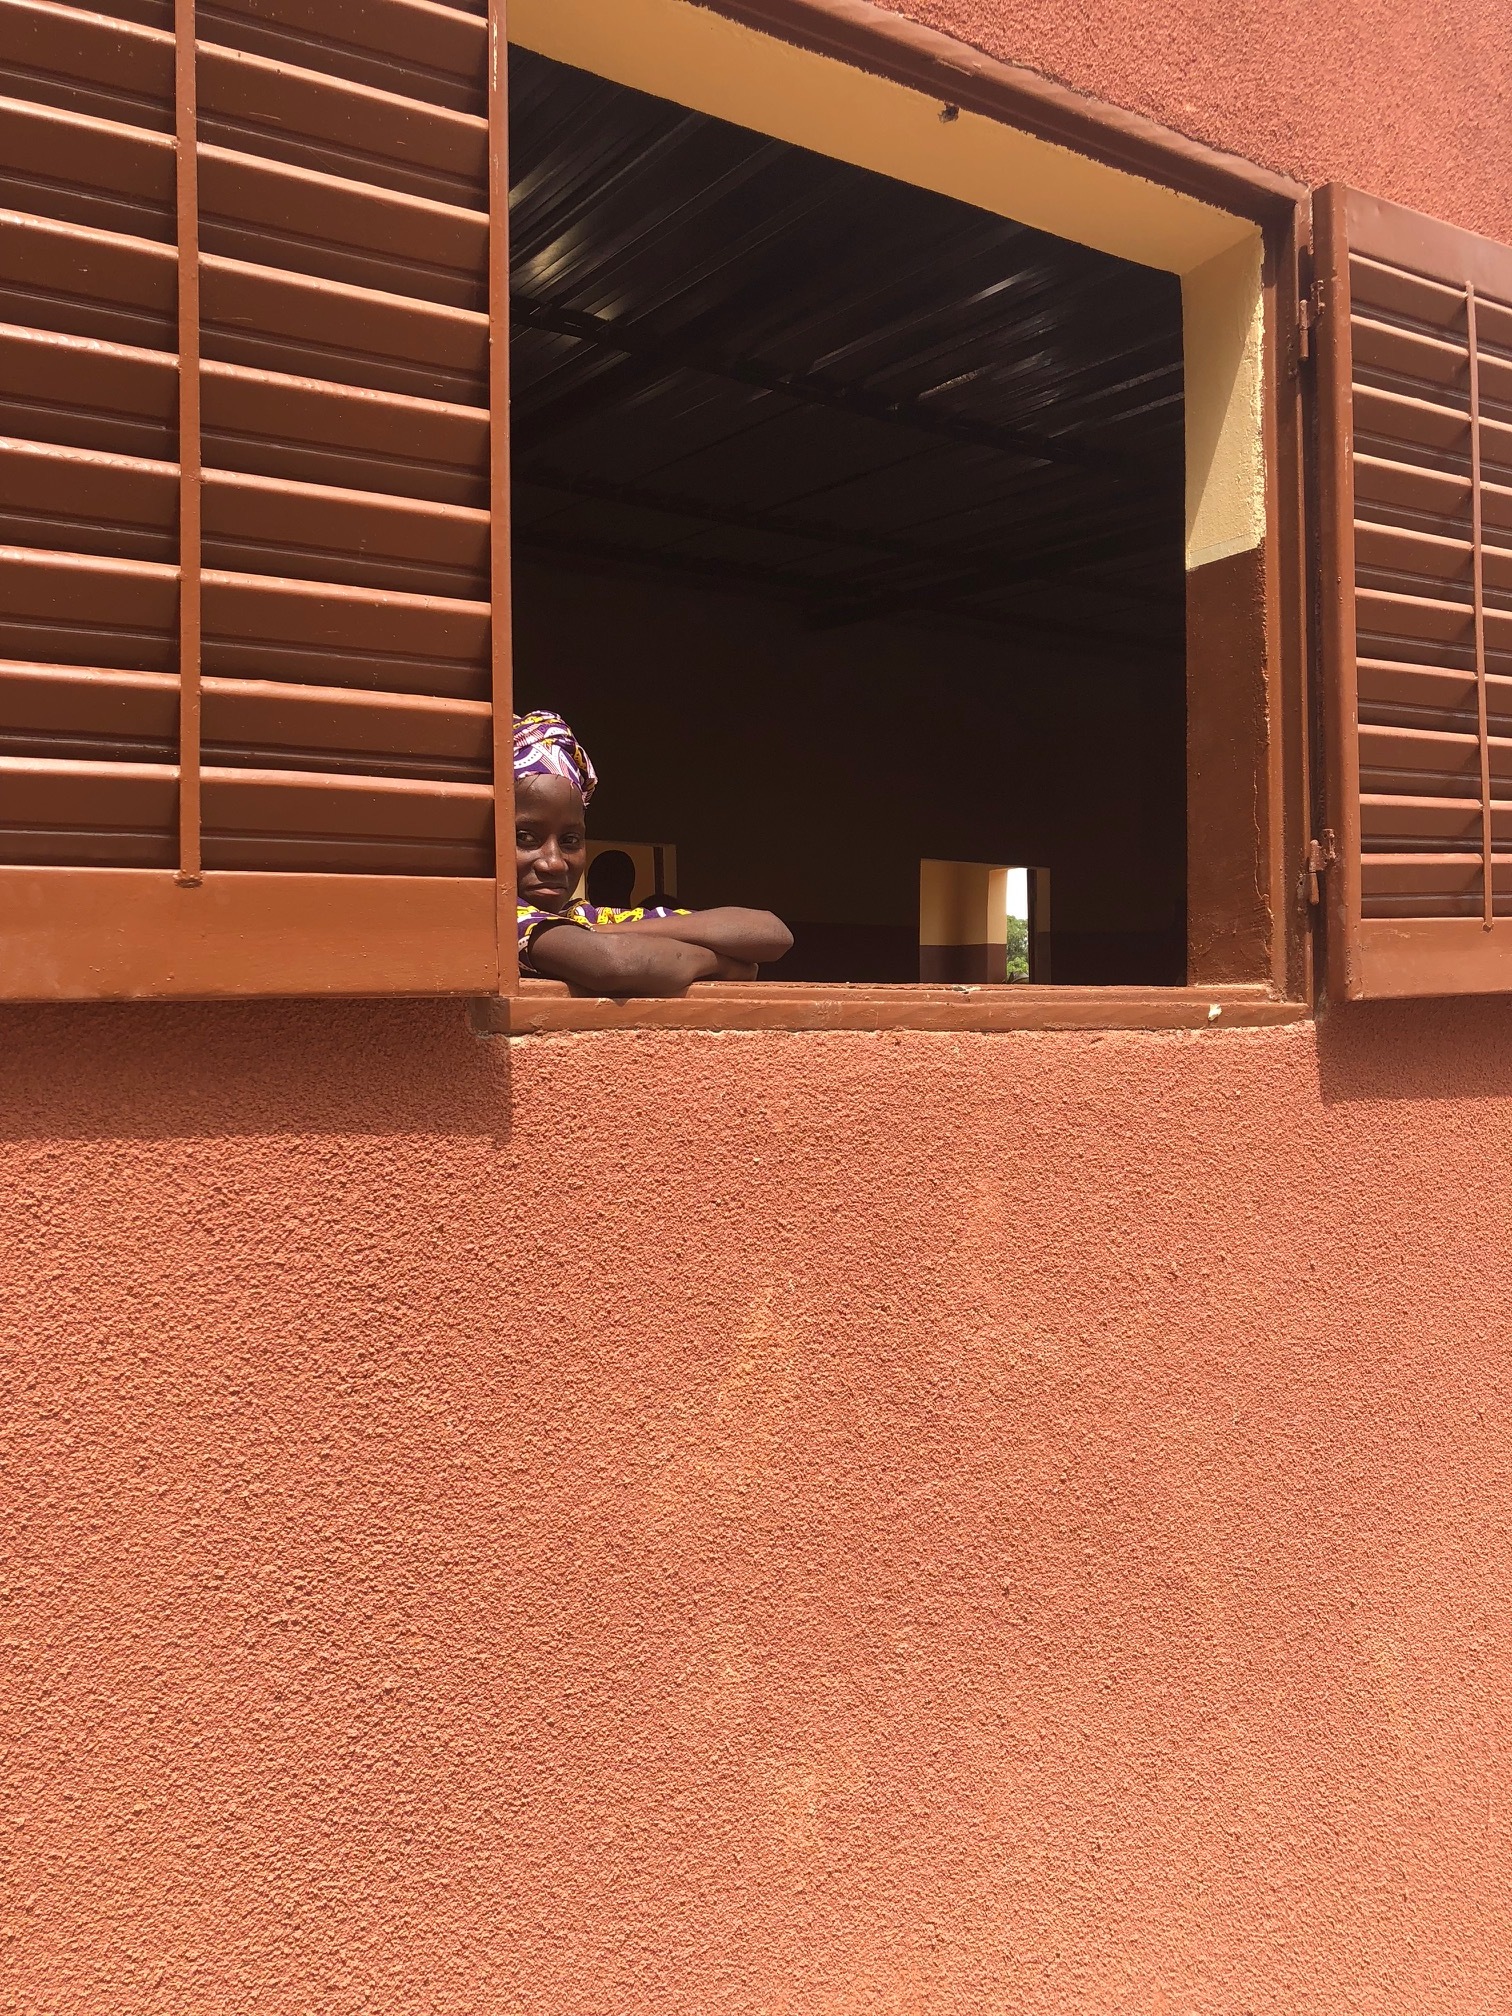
544, 746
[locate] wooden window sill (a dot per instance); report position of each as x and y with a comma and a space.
544, 1006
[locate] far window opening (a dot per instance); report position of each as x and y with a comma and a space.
849, 534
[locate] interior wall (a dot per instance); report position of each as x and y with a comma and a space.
809, 771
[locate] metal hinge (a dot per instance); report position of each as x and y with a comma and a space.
1321, 855
1309, 308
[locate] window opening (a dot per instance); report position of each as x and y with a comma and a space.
849, 532
981, 923
627, 872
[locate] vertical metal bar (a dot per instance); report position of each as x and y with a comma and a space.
186, 124
1478, 563
1338, 618
1288, 584
498, 492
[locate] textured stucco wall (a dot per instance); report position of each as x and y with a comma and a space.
834, 1524
1404, 98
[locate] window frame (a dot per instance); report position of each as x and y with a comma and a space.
1261, 642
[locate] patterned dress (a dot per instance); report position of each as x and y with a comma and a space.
529, 921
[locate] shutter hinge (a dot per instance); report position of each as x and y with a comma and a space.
1309, 308
1321, 855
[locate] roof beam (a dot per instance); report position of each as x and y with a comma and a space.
704, 511
809, 595
982, 575
951, 570
664, 355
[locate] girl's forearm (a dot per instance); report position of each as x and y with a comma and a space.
749, 937
615, 962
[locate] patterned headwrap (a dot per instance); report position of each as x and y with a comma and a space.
544, 746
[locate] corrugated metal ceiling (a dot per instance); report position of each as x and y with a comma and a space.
752, 365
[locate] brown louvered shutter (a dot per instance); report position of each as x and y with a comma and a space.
1415, 467
251, 673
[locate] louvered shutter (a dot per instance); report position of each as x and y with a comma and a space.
251, 669
1415, 469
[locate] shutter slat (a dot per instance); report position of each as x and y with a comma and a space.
1433, 500
1441, 884
1433, 494
1433, 697
1412, 298
312, 327
1413, 618
251, 105
87, 712
255, 626
72, 391
1426, 366
82, 500
326, 634
79, 392
1391, 822
144, 13
273, 424
62, 810
348, 808
88, 610
86, 170
265, 525
412, 48
1430, 362
133, 716
1496, 326
270, 214
1445, 557
1440, 758
86, 282
1439, 434
85, 62
1496, 381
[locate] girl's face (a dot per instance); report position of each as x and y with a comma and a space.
551, 841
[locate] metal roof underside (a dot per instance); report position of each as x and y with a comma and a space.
742, 364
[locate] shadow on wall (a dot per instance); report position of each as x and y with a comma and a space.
1411, 1050
154, 1071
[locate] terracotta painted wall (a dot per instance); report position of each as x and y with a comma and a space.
734, 1524
798, 1525
1404, 98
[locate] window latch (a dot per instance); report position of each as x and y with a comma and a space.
1308, 310
1321, 855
